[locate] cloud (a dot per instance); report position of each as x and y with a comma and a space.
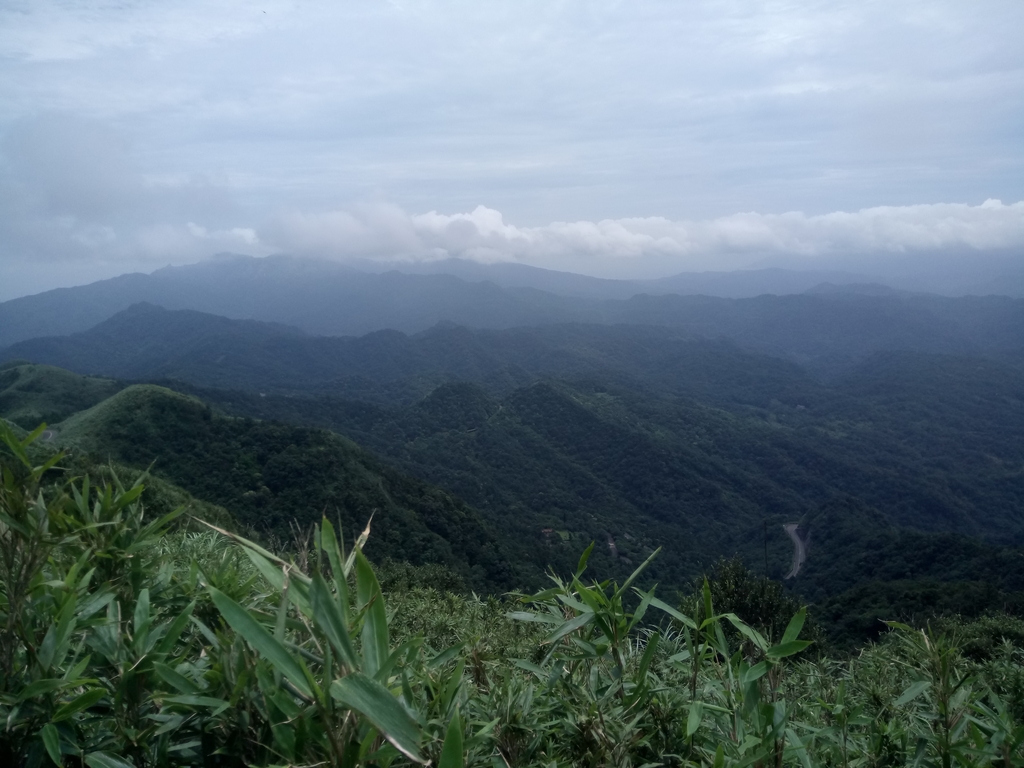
71, 191
631, 244
599, 135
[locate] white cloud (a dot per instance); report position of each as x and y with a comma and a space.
619, 245
611, 136
71, 193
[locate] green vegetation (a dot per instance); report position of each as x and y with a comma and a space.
279, 479
127, 643
907, 481
905, 473
32, 394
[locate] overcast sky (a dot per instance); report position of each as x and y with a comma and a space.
613, 138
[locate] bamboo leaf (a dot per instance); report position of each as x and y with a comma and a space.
105, 760
265, 644
782, 650
40, 687
747, 631
570, 626
754, 673
376, 644
583, 560
83, 701
648, 657
358, 546
173, 632
795, 625
375, 702
633, 576
693, 719
445, 656
51, 740
915, 690
534, 617
174, 678
335, 556
452, 751
677, 615
331, 622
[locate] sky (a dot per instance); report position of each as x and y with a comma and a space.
610, 138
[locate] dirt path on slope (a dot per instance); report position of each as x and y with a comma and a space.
799, 549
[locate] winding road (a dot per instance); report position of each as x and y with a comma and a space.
799, 549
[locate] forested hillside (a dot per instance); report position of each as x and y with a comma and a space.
278, 479
883, 426
697, 447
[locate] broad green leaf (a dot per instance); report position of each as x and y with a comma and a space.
265, 644
105, 760
782, 650
677, 615
141, 619
797, 746
708, 611
174, 678
40, 687
445, 656
173, 632
648, 657
329, 620
534, 617
451, 752
694, 718
375, 702
51, 740
795, 625
83, 701
915, 690
755, 672
336, 557
633, 576
583, 560
405, 649
531, 667
747, 631
568, 627
376, 644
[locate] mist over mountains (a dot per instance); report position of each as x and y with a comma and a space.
328, 298
816, 318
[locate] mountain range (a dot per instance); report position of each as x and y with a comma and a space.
884, 425
327, 298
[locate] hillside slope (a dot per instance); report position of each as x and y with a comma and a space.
33, 394
920, 442
273, 475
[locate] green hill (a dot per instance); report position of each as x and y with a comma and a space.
934, 451
32, 394
271, 476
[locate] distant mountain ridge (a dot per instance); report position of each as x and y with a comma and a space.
825, 333
328, 298
738, 284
